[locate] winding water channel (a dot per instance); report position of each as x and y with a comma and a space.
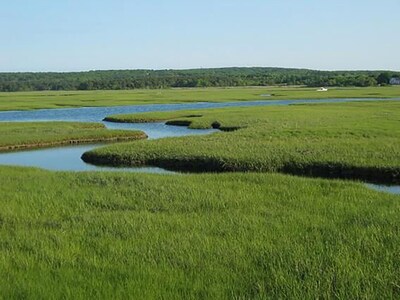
68, 158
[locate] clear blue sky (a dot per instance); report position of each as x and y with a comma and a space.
71, 35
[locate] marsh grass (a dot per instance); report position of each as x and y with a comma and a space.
22, 135
346, 140
65, 99
252, 235
105, 235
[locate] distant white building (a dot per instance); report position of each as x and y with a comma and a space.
395, 81
322, 89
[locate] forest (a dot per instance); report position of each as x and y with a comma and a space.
217, 77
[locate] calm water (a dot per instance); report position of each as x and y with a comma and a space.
391, 189
96, 114
159, 130
68, 158
63, 158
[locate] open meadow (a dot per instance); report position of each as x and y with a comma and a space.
115, 235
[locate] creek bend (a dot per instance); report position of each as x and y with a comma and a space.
68, 158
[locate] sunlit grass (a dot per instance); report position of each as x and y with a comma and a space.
61, 99
253, 235
104, 235
19, 135
349, 140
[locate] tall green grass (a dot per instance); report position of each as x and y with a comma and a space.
226, 236
346, 140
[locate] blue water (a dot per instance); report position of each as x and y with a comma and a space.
96, 114
159, 130
64, 159
391, 189
68, 158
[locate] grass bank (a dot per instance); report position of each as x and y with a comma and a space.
347, 140
61, 99
105, 235
16, 135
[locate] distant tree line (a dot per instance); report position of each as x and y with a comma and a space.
222, 77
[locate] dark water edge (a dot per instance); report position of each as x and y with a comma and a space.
66, 158
382, 180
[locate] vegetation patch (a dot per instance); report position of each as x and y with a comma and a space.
22, 135
344, 140
215, 77
57, 99
242, 236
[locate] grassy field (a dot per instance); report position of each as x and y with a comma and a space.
348, 140
252, 235
49, 99
104, 235
15, 135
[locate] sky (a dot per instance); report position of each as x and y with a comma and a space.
78, 35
